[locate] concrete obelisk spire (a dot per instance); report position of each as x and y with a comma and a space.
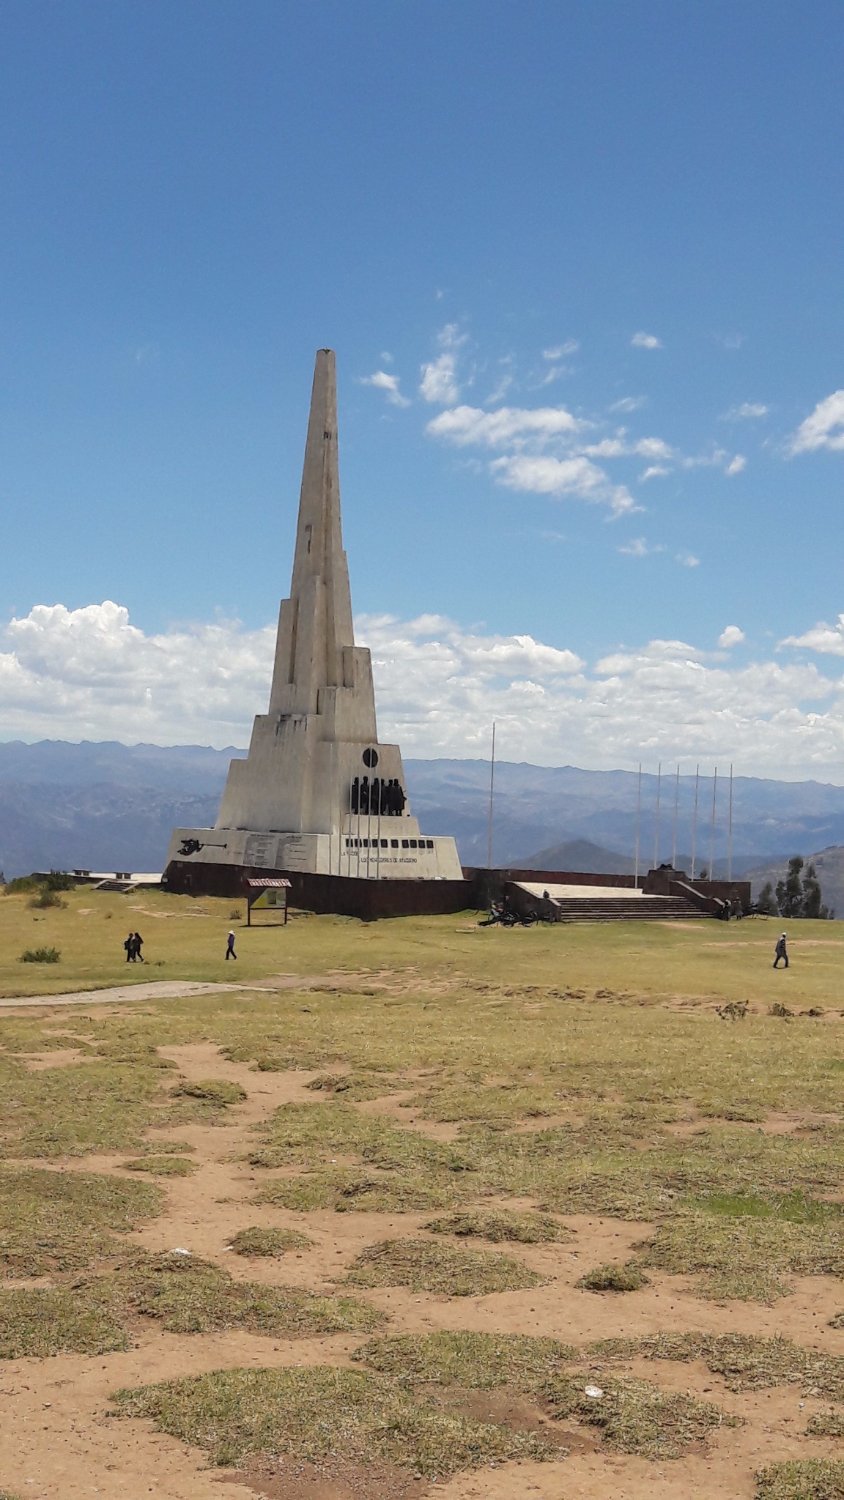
315, 623
322, 697
318, 792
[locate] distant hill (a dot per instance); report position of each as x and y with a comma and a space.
580, 855
105, 805
829, 866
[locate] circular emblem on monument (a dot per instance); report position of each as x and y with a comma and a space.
370, 758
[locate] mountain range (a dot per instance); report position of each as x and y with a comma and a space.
105, 805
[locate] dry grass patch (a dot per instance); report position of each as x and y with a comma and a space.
54, 1221
189, 1295
183, 1294
217, 1093
802, 1479
476, 1361
38, 1322
238, 1415
635, 1416
257, 1241
473, 1098
499, 1225
603, 1167
826, 1424
347, 1189
161, 1166
741, 1253
356, 1087
613, 1278
425, 1266
746, 1363
303, 1133
92, 1106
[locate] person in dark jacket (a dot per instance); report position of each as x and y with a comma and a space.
781, 951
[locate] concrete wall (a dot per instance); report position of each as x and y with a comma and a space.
340, 895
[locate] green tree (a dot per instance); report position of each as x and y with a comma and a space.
813, 905
790, 890
799, 893
766, 900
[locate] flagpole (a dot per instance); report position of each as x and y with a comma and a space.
638, 824
491, 794
656, 819
694, 820
730, 830
712, 826
674, 820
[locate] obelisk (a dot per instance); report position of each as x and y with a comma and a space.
317, 792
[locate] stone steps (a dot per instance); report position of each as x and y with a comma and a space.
617, 909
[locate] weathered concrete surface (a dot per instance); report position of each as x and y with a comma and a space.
289, 805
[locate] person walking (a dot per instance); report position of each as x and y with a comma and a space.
230, 953
137, 944
129, 945
781, 951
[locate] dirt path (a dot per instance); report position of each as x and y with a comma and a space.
174, 989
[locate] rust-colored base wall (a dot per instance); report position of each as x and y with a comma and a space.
349, 896
341, 895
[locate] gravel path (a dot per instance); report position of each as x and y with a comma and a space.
162, 989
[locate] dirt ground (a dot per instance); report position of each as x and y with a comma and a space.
58, 1438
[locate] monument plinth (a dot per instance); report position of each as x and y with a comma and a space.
317, 793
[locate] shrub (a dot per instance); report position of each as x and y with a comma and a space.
47, 897
21, 885
40, 956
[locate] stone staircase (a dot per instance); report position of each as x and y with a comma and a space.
617, 909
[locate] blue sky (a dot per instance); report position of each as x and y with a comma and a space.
582, 267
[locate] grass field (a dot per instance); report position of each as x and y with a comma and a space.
534, 1163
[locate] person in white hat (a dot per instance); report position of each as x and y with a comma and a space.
781, 951
230, 953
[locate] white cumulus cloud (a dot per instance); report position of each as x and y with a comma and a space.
471, 425
575, 477
731, 635
90, 673
828, 639
438, 382
561, 351
823, 428
643, 340
389, 384
747, 411
638, 547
